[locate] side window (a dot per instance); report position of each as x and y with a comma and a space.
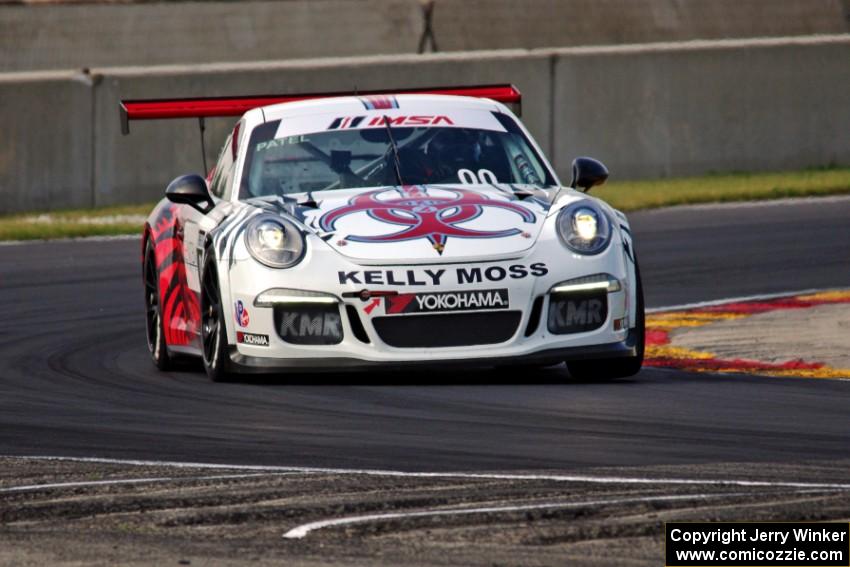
223, 175
252, 178
527, 165
218, 183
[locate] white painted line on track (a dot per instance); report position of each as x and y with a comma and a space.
463, 475
90, 483
746, 298
301, 531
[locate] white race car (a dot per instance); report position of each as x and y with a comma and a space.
386, 230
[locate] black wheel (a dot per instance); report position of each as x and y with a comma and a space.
213, 333
610, 368
153, 312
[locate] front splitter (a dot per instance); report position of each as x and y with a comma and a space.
261, 365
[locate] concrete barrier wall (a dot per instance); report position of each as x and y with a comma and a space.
682, 109
496, 24
46, 135
646, 110
65, 36
74, 36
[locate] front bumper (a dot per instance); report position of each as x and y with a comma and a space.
548, 357
530, 343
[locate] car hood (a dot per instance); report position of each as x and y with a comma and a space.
428, 223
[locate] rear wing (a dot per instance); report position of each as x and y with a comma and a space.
239, 105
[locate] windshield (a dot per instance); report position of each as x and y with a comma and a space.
353, 158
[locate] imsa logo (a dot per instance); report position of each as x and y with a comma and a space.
347, 122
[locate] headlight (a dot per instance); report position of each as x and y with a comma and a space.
584, 228
283, 296
274, 241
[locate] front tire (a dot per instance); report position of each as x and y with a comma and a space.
610, 368
213, 332
154, 324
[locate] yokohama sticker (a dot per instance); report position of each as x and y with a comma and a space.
252, 339
446, 301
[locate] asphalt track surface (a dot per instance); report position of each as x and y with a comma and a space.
75, 378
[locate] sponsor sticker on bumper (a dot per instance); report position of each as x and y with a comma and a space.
252, 339
443, 301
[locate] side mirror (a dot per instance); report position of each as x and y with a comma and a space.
588, 172
190, 190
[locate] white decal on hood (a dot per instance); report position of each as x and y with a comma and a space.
434, 217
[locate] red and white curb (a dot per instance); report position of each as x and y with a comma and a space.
662, 351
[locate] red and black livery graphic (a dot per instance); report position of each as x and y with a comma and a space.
181, 310
424, 215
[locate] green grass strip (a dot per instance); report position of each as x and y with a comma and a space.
105, 221
650, 194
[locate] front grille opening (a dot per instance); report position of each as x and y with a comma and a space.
461, 329
356, 324
534, 317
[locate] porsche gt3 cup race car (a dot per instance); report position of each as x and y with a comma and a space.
385, 230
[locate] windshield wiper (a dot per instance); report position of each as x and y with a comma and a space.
309, 201
395, 151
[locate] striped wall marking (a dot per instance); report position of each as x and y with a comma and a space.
661, 353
